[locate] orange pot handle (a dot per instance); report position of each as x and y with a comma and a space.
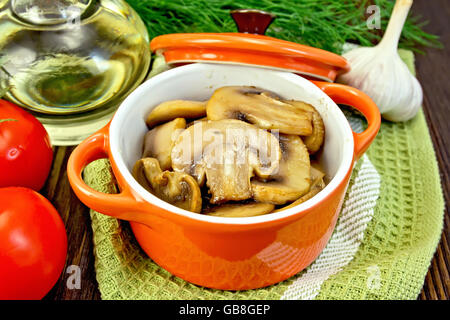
342, 94
122, 205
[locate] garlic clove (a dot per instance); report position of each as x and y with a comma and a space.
411, 100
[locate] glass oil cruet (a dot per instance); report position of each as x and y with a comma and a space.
71, 62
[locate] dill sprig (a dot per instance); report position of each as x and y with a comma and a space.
325, 24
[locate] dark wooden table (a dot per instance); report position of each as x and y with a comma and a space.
433, 73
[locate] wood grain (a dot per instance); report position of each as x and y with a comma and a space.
79, 233
433, 73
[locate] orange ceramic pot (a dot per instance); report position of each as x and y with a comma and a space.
218, 252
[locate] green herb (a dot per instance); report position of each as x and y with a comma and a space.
325, 24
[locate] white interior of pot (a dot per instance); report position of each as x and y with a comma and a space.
198, 82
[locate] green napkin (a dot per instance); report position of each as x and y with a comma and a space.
384, 240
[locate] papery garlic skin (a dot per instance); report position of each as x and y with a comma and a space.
382, 75
411, 99
386, 79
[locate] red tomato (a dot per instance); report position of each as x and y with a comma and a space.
33, 244
25, 151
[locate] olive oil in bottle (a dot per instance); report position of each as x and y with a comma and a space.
71, 62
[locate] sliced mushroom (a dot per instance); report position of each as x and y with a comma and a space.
176, 188
315, 189
195, 121
240, 210
159, 141
317, 173
173, 109
314, 141
260, 108
226, 153
317, 185
293, 179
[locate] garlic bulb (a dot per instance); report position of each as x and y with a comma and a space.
380, 73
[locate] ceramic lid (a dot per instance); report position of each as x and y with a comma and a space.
250, 49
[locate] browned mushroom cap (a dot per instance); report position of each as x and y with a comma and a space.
314, 141
173, 109
176, 188
240, 210
226, 153
159, 141
317, 185
260, 108
293, 178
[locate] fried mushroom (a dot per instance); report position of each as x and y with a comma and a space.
240, 210
260, 108
314, 141
176, 188
293, 178
226, 154
317, 185
159, 141
169, 110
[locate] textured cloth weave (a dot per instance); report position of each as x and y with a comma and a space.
384, 240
